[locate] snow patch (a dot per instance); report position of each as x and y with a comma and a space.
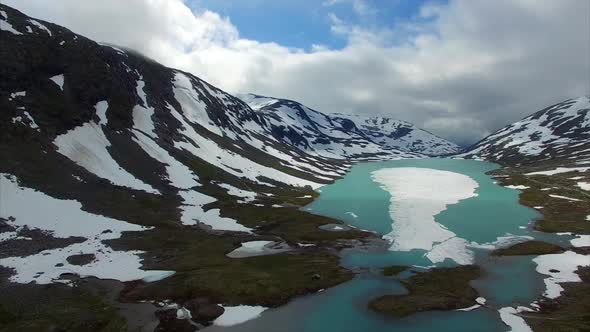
157, 276
65, 218
193, 213
257, 248
560, 268
18, 94
5, 26
566, 198
247, 196
59, 80
238, 314
581, 241
560, 170
510, 318
40, 26
87, 146
519, 187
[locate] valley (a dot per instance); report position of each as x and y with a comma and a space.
138, 197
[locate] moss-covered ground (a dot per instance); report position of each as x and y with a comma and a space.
529, 248
436, 289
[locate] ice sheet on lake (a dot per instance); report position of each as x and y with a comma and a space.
418, 195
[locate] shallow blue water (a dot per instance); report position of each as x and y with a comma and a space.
495, 212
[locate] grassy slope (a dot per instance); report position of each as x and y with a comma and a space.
529, 248
569, 312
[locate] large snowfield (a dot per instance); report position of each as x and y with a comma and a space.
62, 219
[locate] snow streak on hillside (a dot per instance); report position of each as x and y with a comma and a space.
558, 131
337, 135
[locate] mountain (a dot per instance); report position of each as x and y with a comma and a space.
558, 133
396, 134
334, 135
117, 167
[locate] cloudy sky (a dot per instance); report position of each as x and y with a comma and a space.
460, 69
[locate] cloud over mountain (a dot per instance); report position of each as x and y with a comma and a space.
461, 69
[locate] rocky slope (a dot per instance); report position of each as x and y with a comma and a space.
335, 135
560, 131
117, 167
547, 157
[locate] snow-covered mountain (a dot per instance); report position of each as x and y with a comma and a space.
114, 131
396, 134
100, 145
334, 135
560, 131
115, 166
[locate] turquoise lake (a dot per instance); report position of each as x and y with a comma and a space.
361, 202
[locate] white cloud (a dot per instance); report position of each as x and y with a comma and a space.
360, 7
474, 66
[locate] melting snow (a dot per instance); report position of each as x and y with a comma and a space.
65, 218
145, 135
559, 170
193, 213
501, 242
480, 301
454, 248
560, 268
40, 26
516, 323
59, 80
87, 146
31, 122
212, 153
238, 314
520, 187
473, 307
247, 196
5, 26
157, 276
178, 174
567, 198
258, 248
581, 241
584, 185
18, 94
416, 200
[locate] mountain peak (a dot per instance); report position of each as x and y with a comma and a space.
561, 130
374, 133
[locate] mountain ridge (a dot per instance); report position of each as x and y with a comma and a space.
385, 133
555, 133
